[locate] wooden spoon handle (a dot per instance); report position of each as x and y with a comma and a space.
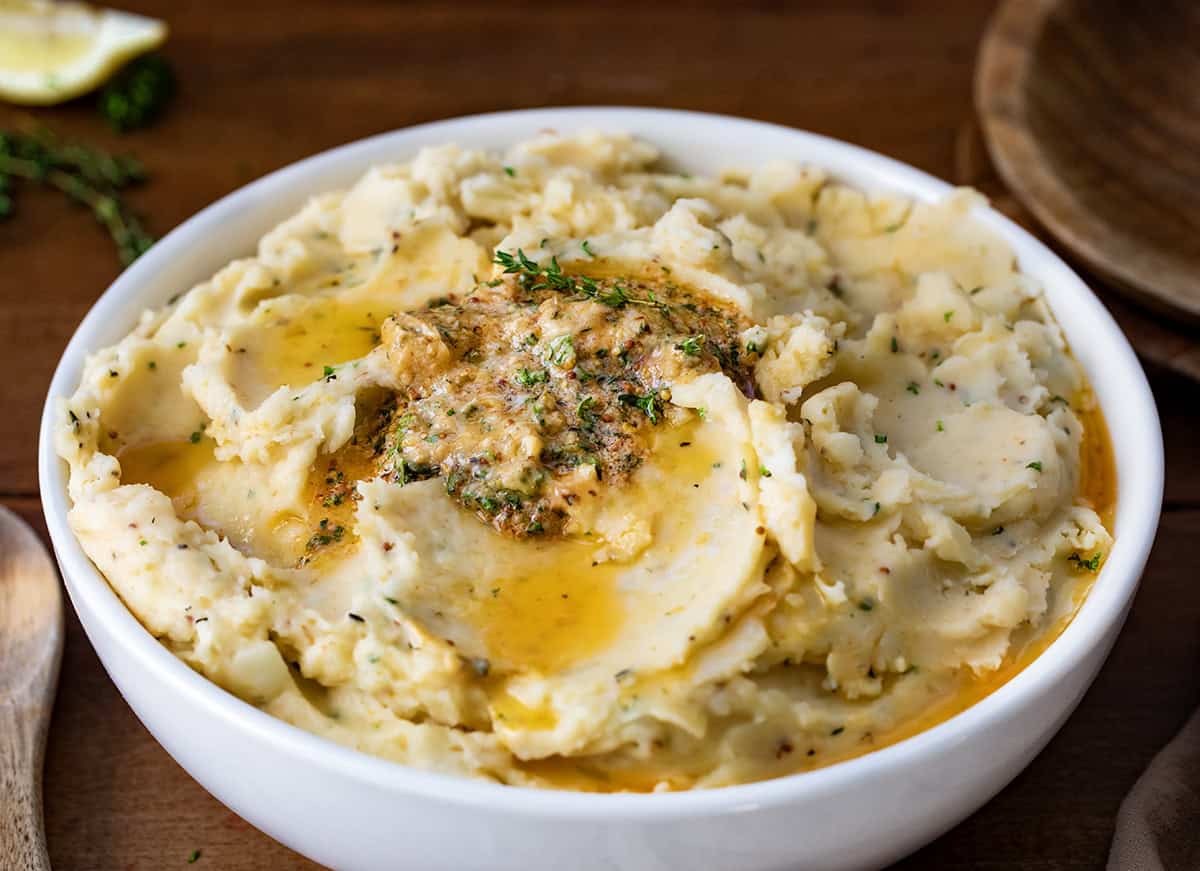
22, 838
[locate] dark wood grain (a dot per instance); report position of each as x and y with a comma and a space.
1093, 116
266, 83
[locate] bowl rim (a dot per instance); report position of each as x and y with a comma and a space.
1139, 470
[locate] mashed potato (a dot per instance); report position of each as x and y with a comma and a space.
558, 469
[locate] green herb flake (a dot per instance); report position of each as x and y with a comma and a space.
587, 249
941, 427
647, 402
530, 377
895, 345
913, 388
1036, 465
947, 315
692, 346
561, 350
1091, 564
880, 438
510, 172
194, 857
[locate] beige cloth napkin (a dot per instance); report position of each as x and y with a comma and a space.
1158, 825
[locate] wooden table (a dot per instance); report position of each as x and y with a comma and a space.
266, 83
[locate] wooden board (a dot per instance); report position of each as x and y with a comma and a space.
1090, 110
1159, 339
266, 83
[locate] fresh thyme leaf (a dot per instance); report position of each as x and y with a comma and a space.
551, 277
137, 95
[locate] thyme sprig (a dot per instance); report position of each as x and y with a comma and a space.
533, 276
88, 176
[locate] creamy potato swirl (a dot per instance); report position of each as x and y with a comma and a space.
562, 469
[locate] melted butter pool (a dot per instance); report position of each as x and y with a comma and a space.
226, 497
570, 604
554, 616
293, 349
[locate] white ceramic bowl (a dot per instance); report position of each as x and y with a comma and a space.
349, 810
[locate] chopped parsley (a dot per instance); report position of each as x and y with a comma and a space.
941, 427
692, 346
947, 315
1091, 564
913, 388
895, 345
530, 377
510, 172
647, 402
561, 350
1036, 465
880, 438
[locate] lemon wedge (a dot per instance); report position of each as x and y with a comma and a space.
51, 52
